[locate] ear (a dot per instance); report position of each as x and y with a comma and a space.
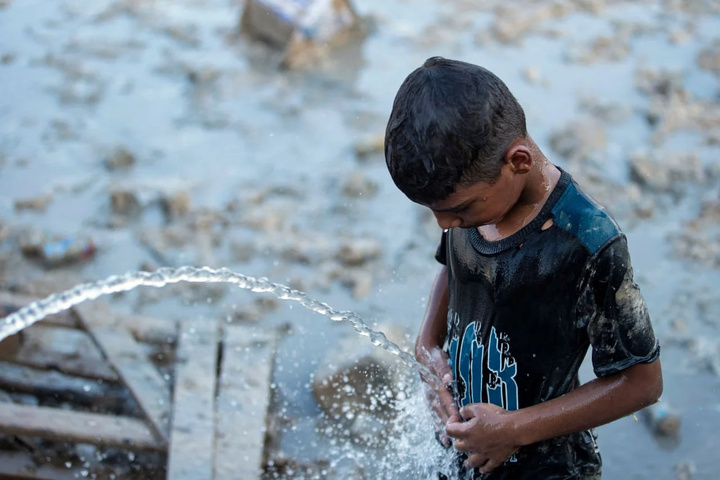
519, 158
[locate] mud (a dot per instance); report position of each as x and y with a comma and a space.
156, 130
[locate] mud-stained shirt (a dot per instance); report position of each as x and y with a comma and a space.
524, 310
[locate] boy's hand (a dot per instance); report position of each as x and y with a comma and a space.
485, 435
439, 396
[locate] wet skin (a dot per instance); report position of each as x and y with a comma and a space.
502, 207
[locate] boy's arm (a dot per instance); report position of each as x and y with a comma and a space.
428, 347
492, 434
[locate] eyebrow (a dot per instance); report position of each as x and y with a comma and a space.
456, 208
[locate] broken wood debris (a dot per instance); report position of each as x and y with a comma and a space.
64, 425
142, 378
243, 402
192, 434
91, 379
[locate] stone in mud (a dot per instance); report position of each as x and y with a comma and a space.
35, 203
532, 75
306, 248
512, 22
685, 470
604, 111
358, 251
124, 203
602, 49
580, 139
592, 6
673, 108
358, 185
666, 173
175, 205
709, 58
680, 35
186, 34
654, 82
358, 281
680, 111
695, 244
713, 137
358, 377
266, 219
663, 419
303, 30
121, 158
370, 146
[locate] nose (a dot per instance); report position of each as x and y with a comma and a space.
447, 220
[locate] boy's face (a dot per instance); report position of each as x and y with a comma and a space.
482, 203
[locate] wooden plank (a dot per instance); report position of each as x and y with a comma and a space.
11, 302
10, 346
67, 350
192, 435
139, 375
58, 386
144, 329
243, 401
21, 465
77, 427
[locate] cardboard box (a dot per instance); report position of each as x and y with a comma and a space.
304, 30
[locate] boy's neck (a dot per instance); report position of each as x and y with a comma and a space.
540, 183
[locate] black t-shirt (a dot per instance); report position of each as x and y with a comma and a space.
524, 310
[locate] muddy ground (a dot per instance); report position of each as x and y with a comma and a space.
155, 130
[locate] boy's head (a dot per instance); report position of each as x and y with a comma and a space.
451, 125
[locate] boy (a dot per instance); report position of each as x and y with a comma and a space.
533, 273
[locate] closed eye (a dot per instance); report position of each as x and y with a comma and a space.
462, 209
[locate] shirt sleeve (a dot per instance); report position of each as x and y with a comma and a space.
615, 314
441, 252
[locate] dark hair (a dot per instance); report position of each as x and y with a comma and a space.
451, 123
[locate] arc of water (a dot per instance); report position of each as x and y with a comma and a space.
58, 302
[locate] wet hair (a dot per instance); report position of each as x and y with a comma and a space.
451, 124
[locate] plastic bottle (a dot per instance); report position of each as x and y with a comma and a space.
67, 250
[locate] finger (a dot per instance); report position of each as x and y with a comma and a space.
456, 429
467, 412
489, 466
475, 460
454, 419
444, 439
433, 400
461, 445
439, 410
448, 404
437, 422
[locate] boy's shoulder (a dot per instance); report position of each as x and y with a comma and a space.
583, 217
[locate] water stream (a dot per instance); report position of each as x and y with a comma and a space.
58, 302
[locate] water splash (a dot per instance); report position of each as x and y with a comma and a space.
58, 302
